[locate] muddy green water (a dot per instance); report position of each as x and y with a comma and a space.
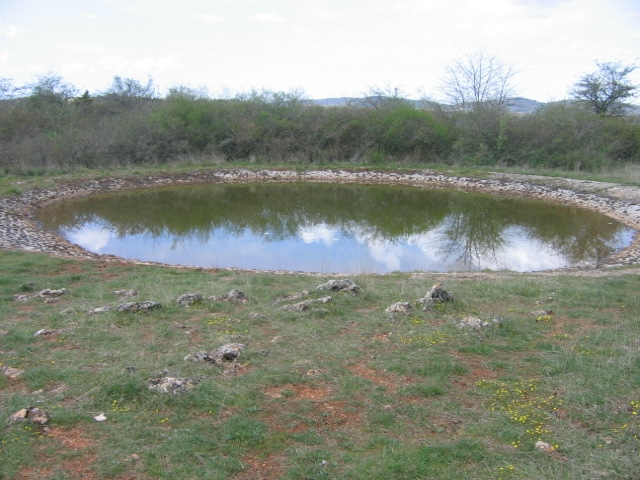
333, 228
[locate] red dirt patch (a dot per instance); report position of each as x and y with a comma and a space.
337, 414
382, 378
299, 391
289, 414
15, 386
262, 468
71, 268
477, 370
73, 438
76, 469
474, 375
571, 326
382, 337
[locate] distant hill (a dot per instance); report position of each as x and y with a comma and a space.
335, 102
523, 105
515, 105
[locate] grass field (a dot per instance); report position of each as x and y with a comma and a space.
342, 390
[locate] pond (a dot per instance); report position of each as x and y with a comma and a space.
331, 228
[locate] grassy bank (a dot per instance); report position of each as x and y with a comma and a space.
341, 390
16, 183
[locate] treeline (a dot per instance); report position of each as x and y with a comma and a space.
50, 126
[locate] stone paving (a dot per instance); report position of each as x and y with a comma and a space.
18, 230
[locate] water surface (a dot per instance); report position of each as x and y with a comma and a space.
332, 228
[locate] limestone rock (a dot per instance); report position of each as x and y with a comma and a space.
234, 296
399, 307
34, 414
296, 307
47, 292
136, 307
436, 293
96, 310
226, 353
544, 446
230, 351
10, 372
47, 332
292, 296
189, 299
200, 357
339, 286
302, 306
474, 323
172, 385
126, 292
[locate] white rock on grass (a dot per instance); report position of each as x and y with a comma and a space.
227, 353
399, 307
47, 292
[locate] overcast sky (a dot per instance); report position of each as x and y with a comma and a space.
325, 48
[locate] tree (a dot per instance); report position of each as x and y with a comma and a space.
7, 89
385, 98
128, 91
606, 90
51, 89
479, 85
478, 80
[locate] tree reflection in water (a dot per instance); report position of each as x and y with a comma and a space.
475, 236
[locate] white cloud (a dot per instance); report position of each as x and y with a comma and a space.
76, 48
385, 253
11, 31
208, 18
36, 69
318, 234
156, 65
267, 18
319, 13
91, 237
333, 48
71, 68
524, 255
114, 63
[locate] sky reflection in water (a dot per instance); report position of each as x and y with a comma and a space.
459, 231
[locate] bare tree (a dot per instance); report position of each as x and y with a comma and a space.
606, 90
387, 97
8, 94
477, 80
128, 91
51, 89
7, 89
